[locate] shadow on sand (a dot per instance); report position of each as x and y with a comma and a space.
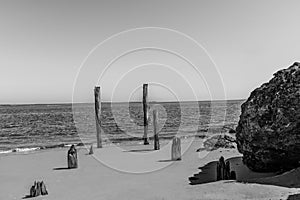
208, 174
169, 160
61, 168
293, 197
139, 150
27, 197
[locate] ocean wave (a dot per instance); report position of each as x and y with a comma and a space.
6, 151
19, 150
52, 146
25, 149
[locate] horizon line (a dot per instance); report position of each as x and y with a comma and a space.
59, 103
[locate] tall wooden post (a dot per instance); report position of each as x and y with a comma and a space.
145, 109
97, 116
156, 138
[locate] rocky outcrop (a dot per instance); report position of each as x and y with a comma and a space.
268, 133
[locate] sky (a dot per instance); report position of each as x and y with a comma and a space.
57, 51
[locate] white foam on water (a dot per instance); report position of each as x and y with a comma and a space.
7, 151
25, 149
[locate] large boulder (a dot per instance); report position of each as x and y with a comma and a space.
268, 133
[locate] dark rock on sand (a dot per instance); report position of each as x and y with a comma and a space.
218, 141
231, 131
268, 133
38, 188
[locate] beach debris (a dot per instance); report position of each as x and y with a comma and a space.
38, 188
72, 158
176, 149
223, 170
156, 138
80, 144
268, 129
91, 152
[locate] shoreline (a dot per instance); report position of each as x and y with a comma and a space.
117, 102
122, 142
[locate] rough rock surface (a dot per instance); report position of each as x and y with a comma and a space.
218, 141
268, 133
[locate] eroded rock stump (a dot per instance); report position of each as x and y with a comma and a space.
38, 188
72, 158
223, 170
91, 152
176, 149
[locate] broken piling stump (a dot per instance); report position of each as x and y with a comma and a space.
156, 138
97, 95
223, 170
232, 175
72, 158
91, 150
38, 188
220, 169
145, 112
176, 149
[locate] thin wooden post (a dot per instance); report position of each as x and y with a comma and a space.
145, 109
97, 115
156, 138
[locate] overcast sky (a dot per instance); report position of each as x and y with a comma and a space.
43, 44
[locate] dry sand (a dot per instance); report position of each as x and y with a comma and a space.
94, 180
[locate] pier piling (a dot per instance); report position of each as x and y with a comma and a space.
156, 138
145, 109
98, 115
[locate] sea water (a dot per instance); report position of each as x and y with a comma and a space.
40, 126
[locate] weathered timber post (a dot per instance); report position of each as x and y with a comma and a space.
91, 152
98, 115
232, 175
38, 188
176, 149
227, 170
223, 170
155, 132
72, 158
145, 109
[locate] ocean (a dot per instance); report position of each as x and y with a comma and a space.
40, 126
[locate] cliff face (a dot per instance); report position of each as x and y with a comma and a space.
268, 133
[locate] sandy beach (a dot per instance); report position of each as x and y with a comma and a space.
94, 180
